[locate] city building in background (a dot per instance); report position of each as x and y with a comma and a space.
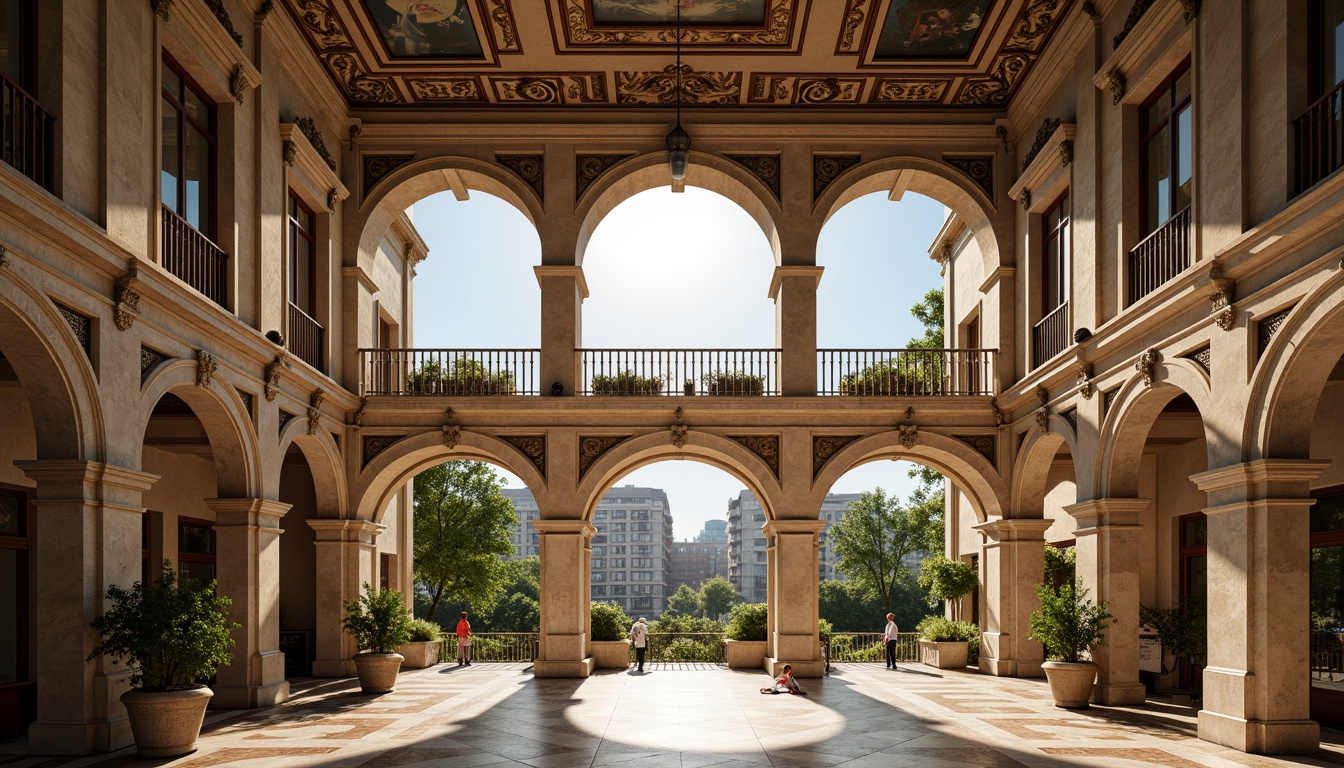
714, 530
747, 558
695, 562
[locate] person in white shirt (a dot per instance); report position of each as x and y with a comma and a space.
639, 636
889, 639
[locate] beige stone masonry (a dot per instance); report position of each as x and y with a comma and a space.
565, 572
794, 291
346, 561
793, 593
1011, 566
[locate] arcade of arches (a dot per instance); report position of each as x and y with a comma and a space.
206, 346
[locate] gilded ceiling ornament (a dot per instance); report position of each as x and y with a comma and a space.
588, 167
829, 90
1115, 80
1221, 297
1083, 375
978, 168
206, 368
217, 7
359, 86
161, 8
854, 13
763, 167
1033, 25
826, 168
358, 419
324, 28
1146, 365
272, 385
310, 132
892, 89
1043, 135
779, 17
506, 37
909, 435
452, 435
766, 447
678, 433
378, 166
126, 299
529, 168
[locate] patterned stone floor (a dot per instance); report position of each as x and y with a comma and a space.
861, 716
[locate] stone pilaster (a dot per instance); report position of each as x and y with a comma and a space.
1256, 688
563, 290
86, 537
346, 561
794, 289
1012, 564
794, 590
565, 594
1109, 549
247, 539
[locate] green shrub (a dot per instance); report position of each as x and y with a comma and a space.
748, 621
423, 631
733, 383
378, 620
1067, 623
824, 630
1182, 630
947, 579
170, 632
608, 622
937, 629
464, 377
626, 383
684, 623
1059, 565
910, 373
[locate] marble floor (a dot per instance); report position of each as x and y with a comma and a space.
861, 716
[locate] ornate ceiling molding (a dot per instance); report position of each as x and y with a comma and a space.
580, 35
660, 88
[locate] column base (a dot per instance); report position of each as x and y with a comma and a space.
79, 738
807, 668
1010, 668
1119, 694
1281, 737
334, 668
570, 669
251, 696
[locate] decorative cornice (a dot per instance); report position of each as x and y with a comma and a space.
1050, 158
1136, 12
311, 160
310, 132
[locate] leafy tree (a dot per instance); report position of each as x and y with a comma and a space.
851, 607
515, 612
947, 579
462, 529
684, 602
608, 621
748, 621
683, 623
929, 313
1059, 565
717, 597
874, 537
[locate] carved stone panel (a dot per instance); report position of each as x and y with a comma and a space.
826, 168
978, 168
148, 359
588, 167
531, 446
1270, 326
378, 166
1204, 357
82, 327
591, 448
764, 167
765, 446
530, 168
376, 444
983, 444
826, 446
1107, 400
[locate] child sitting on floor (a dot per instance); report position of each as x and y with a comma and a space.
785, 684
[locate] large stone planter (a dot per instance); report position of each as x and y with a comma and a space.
378, 671
944, 654
166, 723
611, 654
420, 654
745, 654
1070, 683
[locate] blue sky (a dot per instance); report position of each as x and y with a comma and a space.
678, 270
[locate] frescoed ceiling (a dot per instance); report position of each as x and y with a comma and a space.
871, 54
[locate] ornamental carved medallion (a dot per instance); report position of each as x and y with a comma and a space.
660, 87
376, 444
378, 166
977, 168
982, 444
763, 167
588, 167
826, 446
452, 435
826, 168
591, 448
531, 446
678, 434
765, 446
529, 168
149, 358
909, 435
903, 90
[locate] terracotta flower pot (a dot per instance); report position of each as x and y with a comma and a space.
378, 671
1070, 682
166, 723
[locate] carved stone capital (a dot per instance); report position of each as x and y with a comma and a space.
909, 435
206, 368
1146, 365
678, 433
1083, 376
272, 387
1115, 81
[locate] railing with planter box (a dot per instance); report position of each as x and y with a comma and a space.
1160, 257
194, 258
729, 372
465, 372
26, 131
905, 372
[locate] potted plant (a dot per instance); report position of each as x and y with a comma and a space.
733, 383
379, 623
944, 643
688, 388
608, 624
1068, 624
1182, 632
470, 377
748, 628
422, 650
171, 633
906, 374
626, 382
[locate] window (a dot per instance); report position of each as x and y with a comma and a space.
641, 575
600, 514
618, 589
196, 549
640, 526
599, 591
618, 562
643, 603
600, 576
599, 551
302, 257
17, 35
643, 549
618, 575
618, 514
758, 542
642, 562
618, 527
187, 150
1167, 145
618, 550
1327, 46
641, 537
599, 562
1056, 255
618, 538
641, 589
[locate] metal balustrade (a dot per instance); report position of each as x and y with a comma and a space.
905, 372
499, 647
1327, 656
467, 372
728, 372
1050, 336
667, 647
194, 258
852, 647
1161, 256
305, 336
26, 131
1318, 139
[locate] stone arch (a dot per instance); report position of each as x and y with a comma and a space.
222, 414
416, 180
1031, 468
932, 179
705, 447
970, 471
406, 458
1136, 408
324, 462
1291, 376
60, 383
644, 172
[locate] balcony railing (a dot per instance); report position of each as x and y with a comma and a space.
501, 647
194, 258
731, 372
1050, 336
449, 371
25, 133
905, 372
1318, 139
853, 647
305, 337
1161, 256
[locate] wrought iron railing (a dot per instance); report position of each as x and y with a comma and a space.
1327, 656
25, 133
467, 372
502, 647
850, 647
706, 647
731, 372
305, 337
1050, 336
1161, 256
1318, 139
196, 260
905, 372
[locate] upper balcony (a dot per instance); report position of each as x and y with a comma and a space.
1318, 139
26, 131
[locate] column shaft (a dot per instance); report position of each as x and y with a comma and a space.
794, 290
794, 591
346, 550
563, 290
565, 613
1011, 566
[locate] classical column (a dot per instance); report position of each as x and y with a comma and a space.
563, 290
564, 598
1256, 684
86, 538
794, 591
1012, 564
1109, 553
346, 555
247, 540
794, 289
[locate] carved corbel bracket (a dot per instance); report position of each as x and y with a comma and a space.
333, 197
1026, 199
1042, 395
206, 368
1090, 8
999, 418
1001, 131
1146, 365
1115, 81
126, 299
1222, 295
1189, 10
1043, 418
291, 151
358, 419
272, 387
353, 133
909, 435
315, 410
678, 433
240, 83
452, 435
1083, 375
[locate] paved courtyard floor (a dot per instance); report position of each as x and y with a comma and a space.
862, 716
